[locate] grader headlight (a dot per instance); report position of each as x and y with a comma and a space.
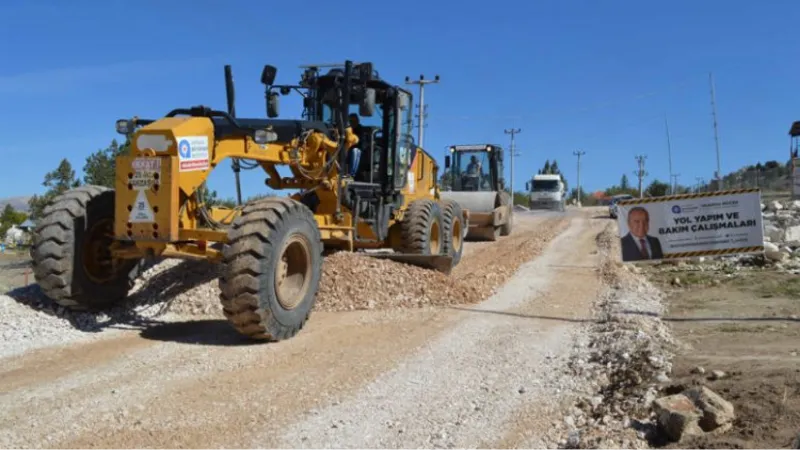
124, 126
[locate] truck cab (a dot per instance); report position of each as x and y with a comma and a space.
546, 192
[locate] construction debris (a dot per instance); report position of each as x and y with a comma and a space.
624, 358
693, 412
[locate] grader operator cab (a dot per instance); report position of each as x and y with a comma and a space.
360, 187
476, 182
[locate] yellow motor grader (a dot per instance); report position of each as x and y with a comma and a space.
359, 186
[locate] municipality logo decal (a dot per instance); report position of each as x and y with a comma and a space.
676, 209
185, 149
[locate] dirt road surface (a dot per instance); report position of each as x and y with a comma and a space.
481, 375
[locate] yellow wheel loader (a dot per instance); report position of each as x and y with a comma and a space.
475, 181
359, 186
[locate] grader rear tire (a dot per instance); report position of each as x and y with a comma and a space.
272, 265
453, 230
422, 230
71, 259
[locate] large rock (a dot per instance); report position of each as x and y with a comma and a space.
775, 205
677, 416
694, 412
718, 413
792, 236
774, 233
773, 252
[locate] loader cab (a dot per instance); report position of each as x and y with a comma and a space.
476, 168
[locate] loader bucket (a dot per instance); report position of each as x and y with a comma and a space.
441, 263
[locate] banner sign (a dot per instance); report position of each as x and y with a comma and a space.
687, 225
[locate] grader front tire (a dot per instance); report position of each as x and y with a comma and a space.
272, 266
422, 230
71, 259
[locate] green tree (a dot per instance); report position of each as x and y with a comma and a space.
656, 189
623, 183
210, 198
552, 169
9, 218
100, 166
58, 181
521, 198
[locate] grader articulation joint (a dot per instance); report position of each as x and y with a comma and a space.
361, 186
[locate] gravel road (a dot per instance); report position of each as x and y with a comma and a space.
440, 375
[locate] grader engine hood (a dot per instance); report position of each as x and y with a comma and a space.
479, 202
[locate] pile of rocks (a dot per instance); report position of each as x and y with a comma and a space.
782, 232
352, 281
694, 412
622, 359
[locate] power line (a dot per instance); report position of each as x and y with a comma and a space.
579, 153
640, 172
513, 132
423, 109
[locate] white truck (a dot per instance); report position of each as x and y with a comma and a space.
547, 192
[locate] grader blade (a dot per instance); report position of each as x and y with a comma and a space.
441, 263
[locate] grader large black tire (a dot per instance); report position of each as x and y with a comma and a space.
70, 252
421, 228
453, 230
272, 265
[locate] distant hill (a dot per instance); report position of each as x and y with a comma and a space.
18, 203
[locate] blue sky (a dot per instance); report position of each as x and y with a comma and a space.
572, 74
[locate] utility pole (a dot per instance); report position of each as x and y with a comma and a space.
669, 152
700, 183
716, 133
579, 153
422, 107
674, 182
513, 132
640, 173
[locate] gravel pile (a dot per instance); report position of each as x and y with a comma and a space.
623, 358
186, 289
23, 328
352, 281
